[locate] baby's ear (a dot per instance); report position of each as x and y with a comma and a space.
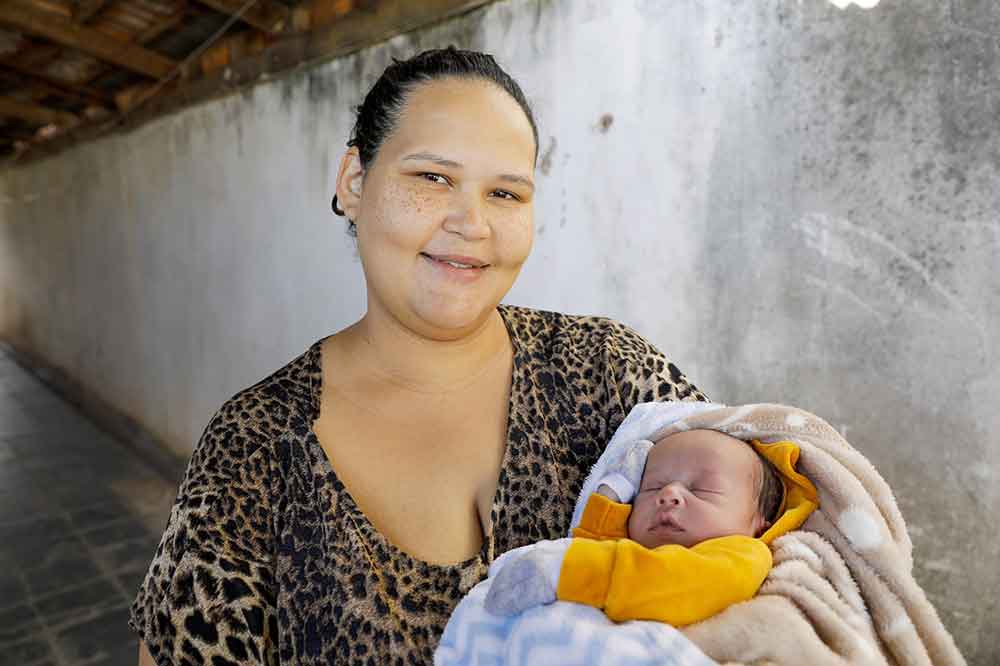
760, 524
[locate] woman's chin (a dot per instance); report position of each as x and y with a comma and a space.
448, 321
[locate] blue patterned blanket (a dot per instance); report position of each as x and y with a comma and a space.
561, 633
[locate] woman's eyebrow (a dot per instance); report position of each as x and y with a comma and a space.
520, 180
452, 164
431, 157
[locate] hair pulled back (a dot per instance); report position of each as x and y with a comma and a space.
379, 114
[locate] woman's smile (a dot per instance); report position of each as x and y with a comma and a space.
458, 267
456, 260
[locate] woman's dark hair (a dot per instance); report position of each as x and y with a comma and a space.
379, 114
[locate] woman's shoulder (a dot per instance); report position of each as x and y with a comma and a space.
285, 400
579, 334
593, 347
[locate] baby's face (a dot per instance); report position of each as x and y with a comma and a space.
697, 485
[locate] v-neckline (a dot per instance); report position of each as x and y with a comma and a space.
334, 491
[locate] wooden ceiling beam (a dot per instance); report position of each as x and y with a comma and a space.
83, 94
34, 113
36, 55
149, 34
164, 24
19, 134
266, 15
67, 33
84, 10
359, 28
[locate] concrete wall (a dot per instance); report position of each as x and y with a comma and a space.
797, 203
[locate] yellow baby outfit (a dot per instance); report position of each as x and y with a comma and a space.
675, 584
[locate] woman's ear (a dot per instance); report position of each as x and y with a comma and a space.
350, 178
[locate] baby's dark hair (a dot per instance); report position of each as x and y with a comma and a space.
379, 114
770, 491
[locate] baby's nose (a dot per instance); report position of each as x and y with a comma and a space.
671, 494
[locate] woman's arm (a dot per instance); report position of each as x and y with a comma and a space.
212, 576
145, 659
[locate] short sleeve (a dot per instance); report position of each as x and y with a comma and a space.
209, 593
639, 372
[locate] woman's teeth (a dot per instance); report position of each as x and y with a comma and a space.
456, 264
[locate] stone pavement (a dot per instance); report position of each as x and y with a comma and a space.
80, 518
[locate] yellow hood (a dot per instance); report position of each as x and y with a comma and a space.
800, 494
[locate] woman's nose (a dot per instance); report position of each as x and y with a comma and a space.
670, 494
466, 219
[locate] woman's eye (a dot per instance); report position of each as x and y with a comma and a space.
435, 178
504, 194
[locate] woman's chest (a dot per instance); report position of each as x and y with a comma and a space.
347, 598
422, 470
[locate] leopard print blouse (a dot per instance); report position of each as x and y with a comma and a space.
266, 559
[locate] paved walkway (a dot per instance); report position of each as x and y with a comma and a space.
80, 518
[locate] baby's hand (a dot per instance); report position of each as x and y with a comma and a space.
609, 492
508, 557
625, 472
527, 579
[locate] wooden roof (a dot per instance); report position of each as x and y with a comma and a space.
74, 69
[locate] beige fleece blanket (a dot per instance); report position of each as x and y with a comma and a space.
842, 589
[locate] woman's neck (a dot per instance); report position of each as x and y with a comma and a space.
398, 355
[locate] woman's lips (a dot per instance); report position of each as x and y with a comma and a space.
457, 266
456, 260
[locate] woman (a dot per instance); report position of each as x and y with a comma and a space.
336, 511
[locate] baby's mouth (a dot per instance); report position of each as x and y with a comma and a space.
668, 523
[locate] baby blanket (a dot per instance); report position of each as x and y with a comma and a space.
563, 634
841, 590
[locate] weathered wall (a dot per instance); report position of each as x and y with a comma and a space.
797, 203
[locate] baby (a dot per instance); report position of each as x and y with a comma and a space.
704, 507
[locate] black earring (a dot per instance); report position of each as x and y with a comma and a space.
335, 207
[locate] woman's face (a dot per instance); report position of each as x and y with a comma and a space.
444, 212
